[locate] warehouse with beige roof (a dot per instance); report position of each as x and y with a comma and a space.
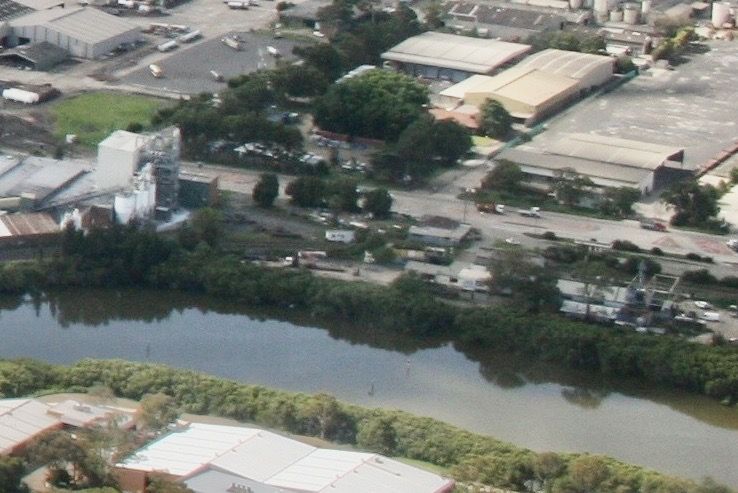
535, 88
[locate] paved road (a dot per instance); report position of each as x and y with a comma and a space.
445, 203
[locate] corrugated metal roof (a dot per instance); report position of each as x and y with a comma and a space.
21, 420
276, 461
567, 63
455, 52
614, 150
32, 224
86, 24
527, 85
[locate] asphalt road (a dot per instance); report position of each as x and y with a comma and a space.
445, 203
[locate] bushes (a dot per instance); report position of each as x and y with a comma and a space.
625, 246
700, 276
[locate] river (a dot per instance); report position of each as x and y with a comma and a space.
529, 404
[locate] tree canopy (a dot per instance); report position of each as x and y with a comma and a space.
506, 175
694, 204
379, 104
266, 190
496, 121
378, 202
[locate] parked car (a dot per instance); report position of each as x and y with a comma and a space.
653, 225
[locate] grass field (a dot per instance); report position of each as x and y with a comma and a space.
93, 116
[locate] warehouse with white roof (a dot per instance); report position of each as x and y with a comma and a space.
218, 459
85, 32
608, 161
451, 57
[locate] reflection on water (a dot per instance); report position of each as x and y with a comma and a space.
528, 403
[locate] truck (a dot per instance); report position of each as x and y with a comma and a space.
190, 36
532, 212
156, 71
232, 42
490, 207
273, 51
168, 46
238, 5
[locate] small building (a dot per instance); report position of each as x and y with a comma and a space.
85, 32
208, 458
458, 275
608, 161
28, 228
38, 56
340, 235
437, 236
435, 55
197, 190
504, 22
305, 13
77, 414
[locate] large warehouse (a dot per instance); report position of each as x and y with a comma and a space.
607, 161
535, 88
218, 459
85, 32
436, 55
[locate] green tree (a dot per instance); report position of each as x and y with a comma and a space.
505, 176
323, 57
434, 15
162, 485
207, 225
619, 201
588, 473
306, 191
266, 190
322, 415
378, 202
548, 466
532, 287
571, 187
12, 471
451, 141
344, 194
694, 204
495, 122
592, 44
377, 433
299, 81
57, 449
379, 104
157, 411
624, 65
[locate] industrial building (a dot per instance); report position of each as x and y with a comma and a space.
436, 55
219, 459
535, 88
85, 32
439, 231
589, 70
607, 161
507, 23
196, 190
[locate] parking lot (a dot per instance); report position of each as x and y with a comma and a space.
187, 71
692, 106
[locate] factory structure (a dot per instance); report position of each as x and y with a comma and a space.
81, 32
134, 178
532, 90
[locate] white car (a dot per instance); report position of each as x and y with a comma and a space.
512, 241
710, 316
703, 305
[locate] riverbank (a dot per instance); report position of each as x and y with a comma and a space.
131, 257
469, 457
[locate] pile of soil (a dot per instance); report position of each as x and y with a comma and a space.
25, 133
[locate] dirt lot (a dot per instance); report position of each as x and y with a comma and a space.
30, 133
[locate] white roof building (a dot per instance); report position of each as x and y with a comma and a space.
21, 420
448, 56
209, 458
85, 32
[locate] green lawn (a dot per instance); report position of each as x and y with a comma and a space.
92, 116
